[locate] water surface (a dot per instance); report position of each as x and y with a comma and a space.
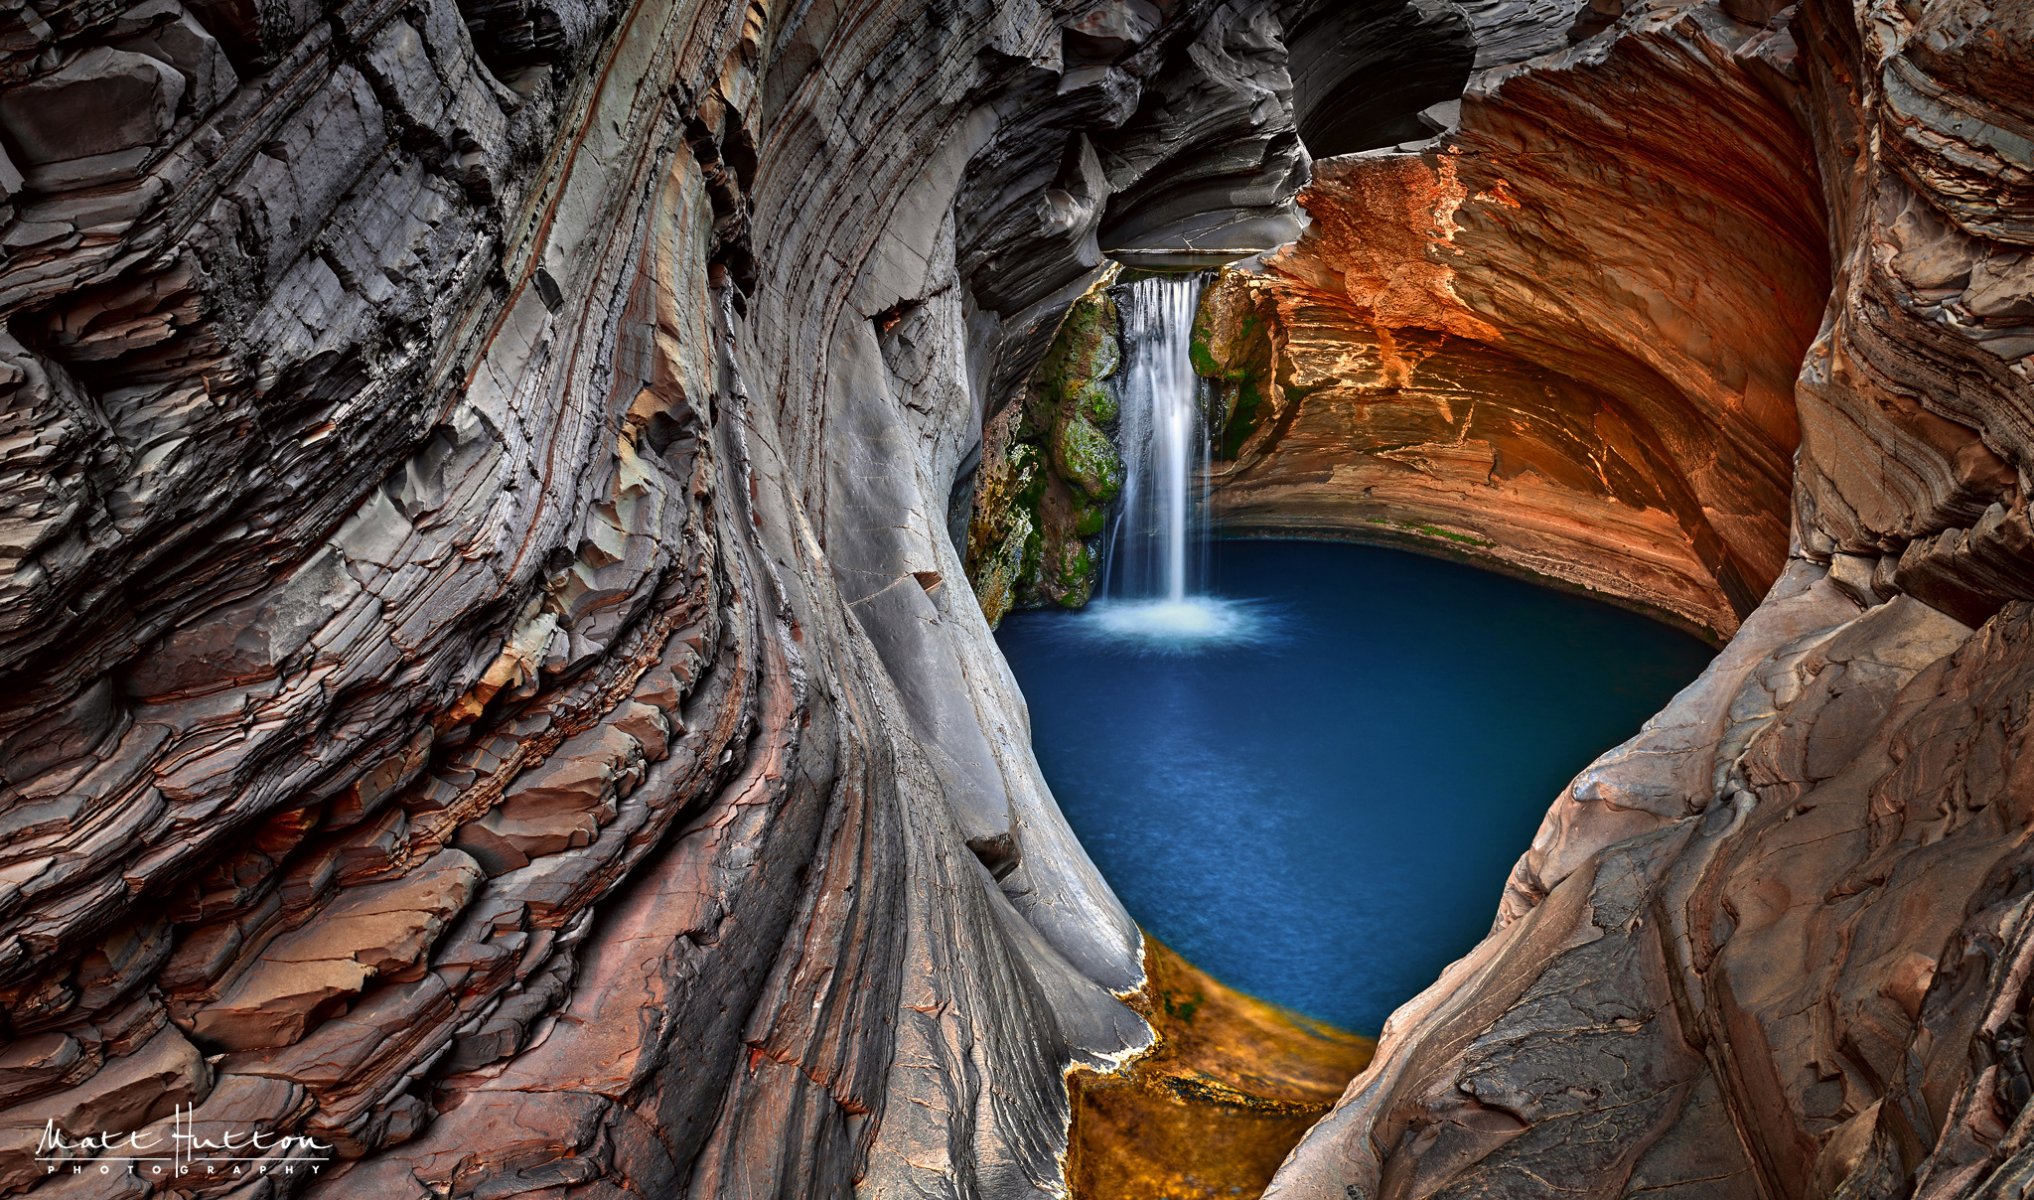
1322, 808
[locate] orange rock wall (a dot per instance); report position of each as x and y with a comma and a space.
1563, 341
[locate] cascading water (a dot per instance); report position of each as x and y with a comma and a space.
1154, 564
1162, 441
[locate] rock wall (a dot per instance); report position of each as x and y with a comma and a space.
1562, 339
484, 678
1777, 945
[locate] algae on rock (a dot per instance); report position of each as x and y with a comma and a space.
1050, 468
1233, 347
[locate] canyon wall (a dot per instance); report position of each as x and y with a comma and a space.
1778, 944
485, 674
485, 680
1561, 340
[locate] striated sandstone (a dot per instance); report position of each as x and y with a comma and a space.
1561, 339
1774, 945
478, 681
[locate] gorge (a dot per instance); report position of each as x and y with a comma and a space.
503, 505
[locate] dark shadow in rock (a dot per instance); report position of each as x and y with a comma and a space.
1363, 72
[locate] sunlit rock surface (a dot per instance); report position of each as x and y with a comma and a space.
1229, 1084
1563, 339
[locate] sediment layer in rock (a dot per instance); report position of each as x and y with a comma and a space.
1563, 337
1776, 945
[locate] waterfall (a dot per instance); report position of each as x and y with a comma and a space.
1155, 543
1155, 583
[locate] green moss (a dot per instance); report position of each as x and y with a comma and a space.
1051, 467
1087, 459
1242, 418
1241, 375
1451, 535
1076, 578
1027, 466
1421, 527
1083, 352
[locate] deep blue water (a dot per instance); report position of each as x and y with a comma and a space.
1325, 815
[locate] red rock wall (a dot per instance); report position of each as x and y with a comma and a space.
1777, 944
1564, 340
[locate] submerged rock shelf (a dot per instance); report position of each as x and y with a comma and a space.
1207, 1113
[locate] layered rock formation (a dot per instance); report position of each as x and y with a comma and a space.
484, 677
1563, 338
486, 684
1777, 944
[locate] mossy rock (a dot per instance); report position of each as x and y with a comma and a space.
1239, 420
1050, 467
1028, 464
998, 575
1074, 583
1087, 459
1231, 345
1089, 519
1085, 351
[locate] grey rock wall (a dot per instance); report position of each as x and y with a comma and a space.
485, 677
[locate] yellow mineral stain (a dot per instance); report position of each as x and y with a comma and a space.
1229, 1086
